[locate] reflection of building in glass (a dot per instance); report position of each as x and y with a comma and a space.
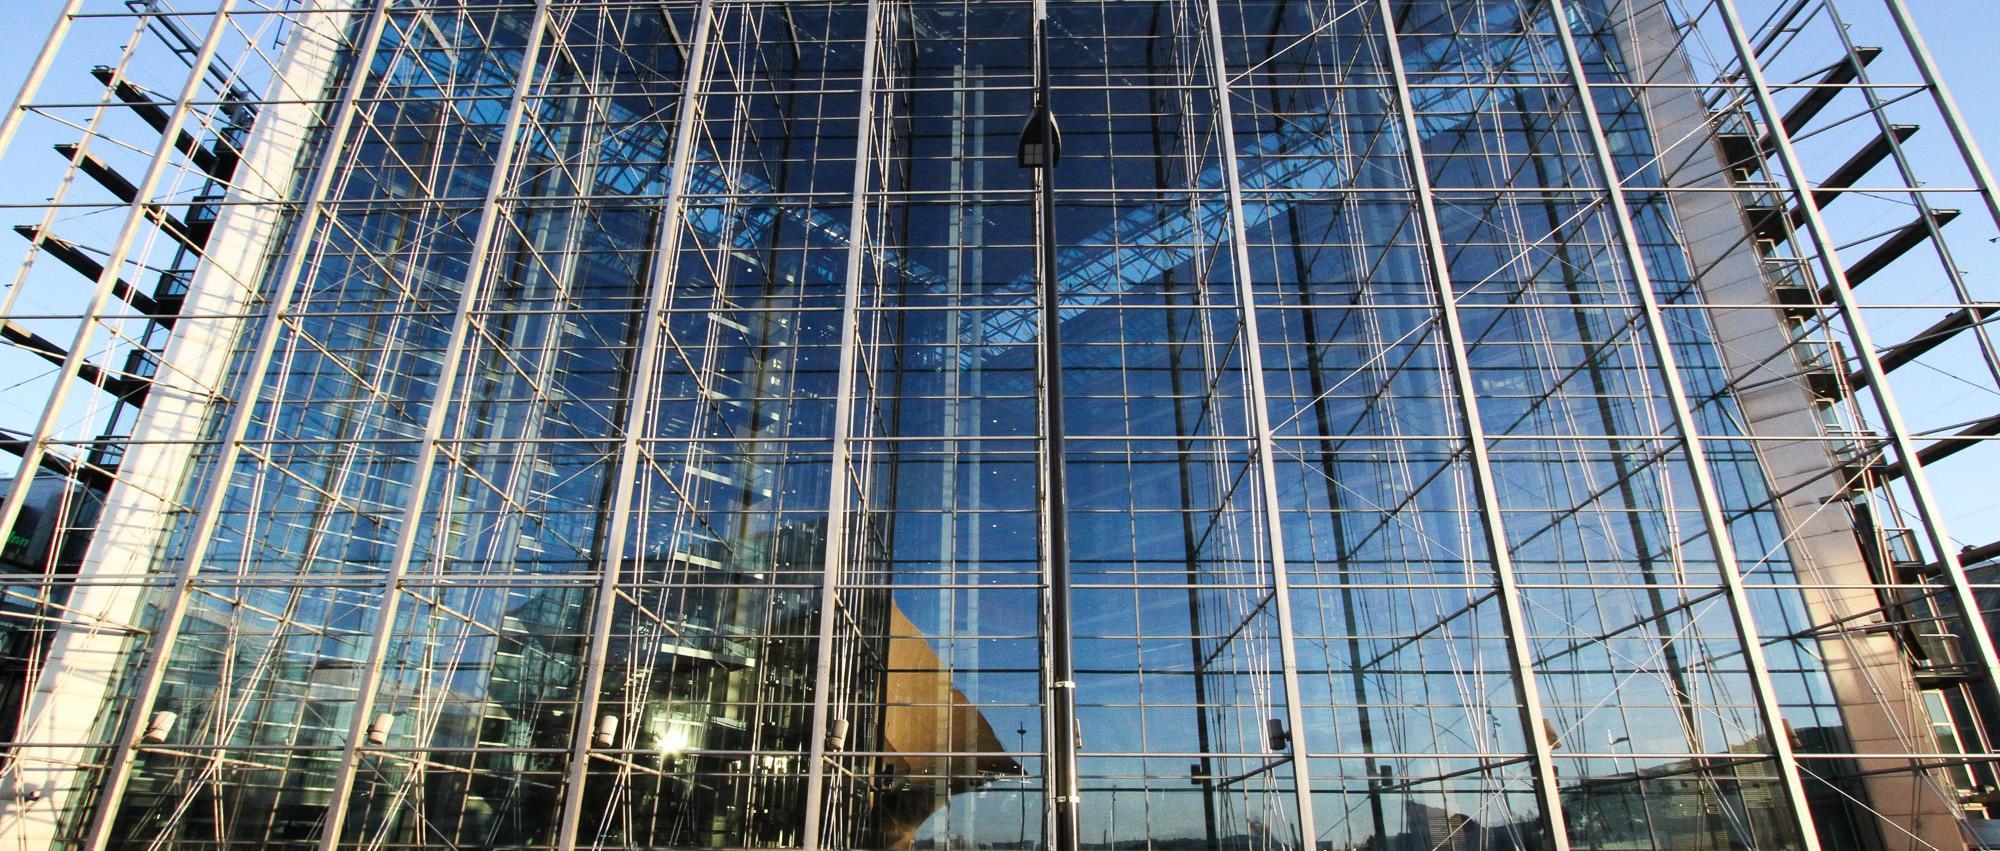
620, 424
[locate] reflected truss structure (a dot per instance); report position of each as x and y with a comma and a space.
1457, 424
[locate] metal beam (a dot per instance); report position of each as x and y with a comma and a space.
74, 257
89, 474
119, 384
1262, 446
1830, 85
1898, 244
632, 453
1856, 167
1930, 338
416, 498
219, 163
1534, 719
1946, 446
1947, 106
122, 189
840, 484
1770, 710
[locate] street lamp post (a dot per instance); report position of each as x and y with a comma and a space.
1040, 151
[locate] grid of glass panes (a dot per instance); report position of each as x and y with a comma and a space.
726, 529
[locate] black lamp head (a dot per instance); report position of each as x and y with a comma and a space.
1041, 140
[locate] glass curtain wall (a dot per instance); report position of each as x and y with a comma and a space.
651, 454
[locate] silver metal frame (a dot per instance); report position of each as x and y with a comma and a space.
118, 765
840, 497
1719, 536
1263, 446
174, 586
1534, 720
632, 453
492, 212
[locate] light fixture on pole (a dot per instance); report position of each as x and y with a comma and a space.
1040, 152
1041, 139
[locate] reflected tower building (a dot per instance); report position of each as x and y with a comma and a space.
1326, 425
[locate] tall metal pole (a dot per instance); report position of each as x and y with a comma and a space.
1947, 106
10, 123
1982, 337
1769, 710
1065, 792
1513, 620
298, 248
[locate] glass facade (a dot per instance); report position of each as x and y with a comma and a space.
636, 437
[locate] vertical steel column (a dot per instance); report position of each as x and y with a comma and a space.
299, 245
838, 484
1060, 737
1769, 709
632, 452
1262, 443
1513, 621
136, 216
1864, 350
493, 209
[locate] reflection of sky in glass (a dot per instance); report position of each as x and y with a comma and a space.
1398, 636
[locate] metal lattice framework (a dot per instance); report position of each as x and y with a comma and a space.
689, 423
